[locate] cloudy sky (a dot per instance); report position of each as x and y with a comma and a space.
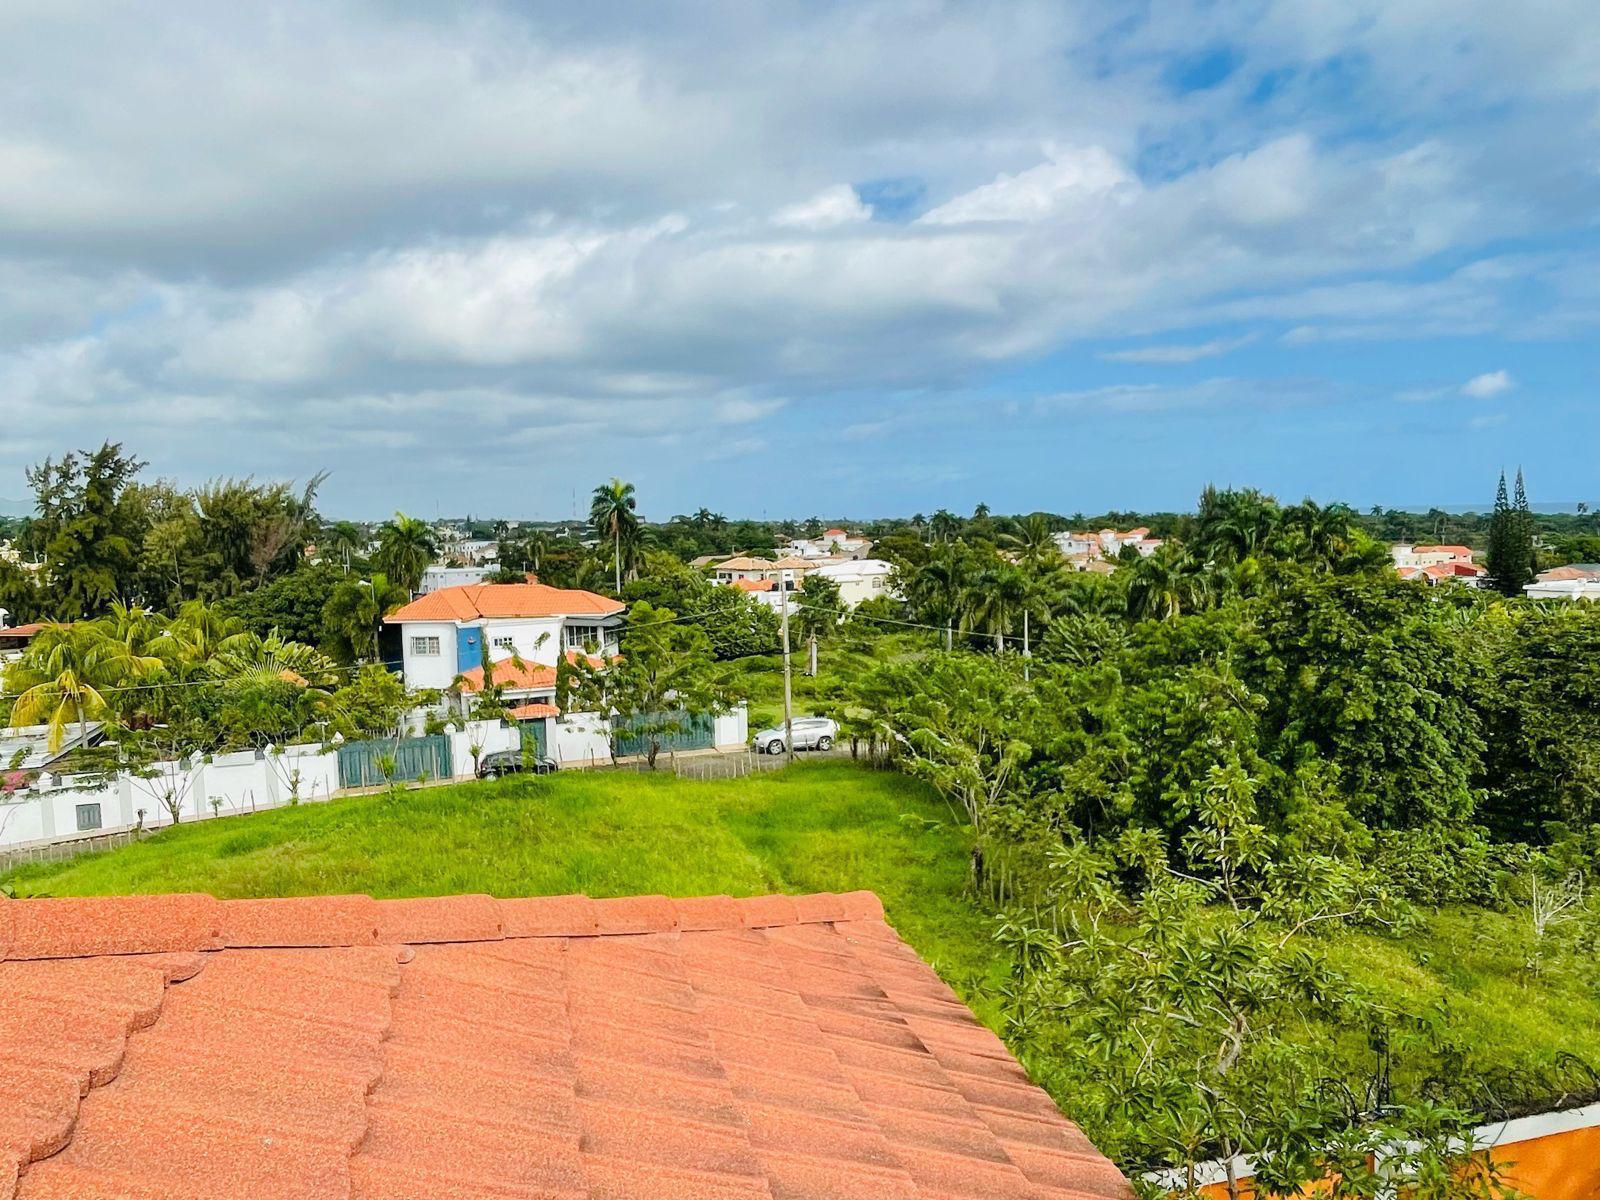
845, 259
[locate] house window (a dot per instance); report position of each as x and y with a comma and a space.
88, 817
504, 643
579, 636
425, 645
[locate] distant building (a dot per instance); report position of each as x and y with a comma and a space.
1435, 564
440, 576
784, 573
1082, 549
443, 633
834, 543
858, 579
1575, 581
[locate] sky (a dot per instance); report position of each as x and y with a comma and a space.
788, 259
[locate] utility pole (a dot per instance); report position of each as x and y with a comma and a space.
1026, 652
812, 670
788, 698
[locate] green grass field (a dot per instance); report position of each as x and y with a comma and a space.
824, 826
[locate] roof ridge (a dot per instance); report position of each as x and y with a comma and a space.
88, 927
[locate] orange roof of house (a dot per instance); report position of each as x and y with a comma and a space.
753, 585
744, 563
510, 673
554, 1048
532, 712
29, 630
1441, 550
1551, 575
836, 533
472, 601
793, 563
529, 676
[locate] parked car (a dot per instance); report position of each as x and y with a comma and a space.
510, 762
810, 733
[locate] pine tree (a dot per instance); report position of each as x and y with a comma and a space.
1510, 540
1526, 556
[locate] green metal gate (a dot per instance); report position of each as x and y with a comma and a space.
535, 737
697, 732
428, 757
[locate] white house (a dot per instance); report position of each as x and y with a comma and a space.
858, 579
1084, 548
443, 633
440, 576
1575, 581
784, 571
834, 543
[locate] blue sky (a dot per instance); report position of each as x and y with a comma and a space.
844, 259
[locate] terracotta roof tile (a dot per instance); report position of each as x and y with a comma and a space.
636, 914
554, 1048
301, 921
549, 916
440, 919
72, 928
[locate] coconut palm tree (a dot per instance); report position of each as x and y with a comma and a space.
995, 600
342, 540
1034, 541
57, 678
613, 513
1164, 585
405, 548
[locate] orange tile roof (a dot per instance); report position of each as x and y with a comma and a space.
556, 1048
745, 563
792, 563
753, 585
527, 676
475, 600
532, 712
1441, 550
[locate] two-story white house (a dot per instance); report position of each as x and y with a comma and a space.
443, 634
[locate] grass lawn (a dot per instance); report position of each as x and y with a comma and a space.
813, 827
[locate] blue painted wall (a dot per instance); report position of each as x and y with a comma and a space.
469, 640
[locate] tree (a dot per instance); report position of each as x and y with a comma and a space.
612, 513
341, 542
994, 600
1034, 540
1164, 585
58, 685
352, 616
818, 613
662, 679
1510, 557
405, 548
89, 527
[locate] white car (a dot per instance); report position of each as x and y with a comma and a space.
810, 733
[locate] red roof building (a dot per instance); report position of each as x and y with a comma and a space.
478, 601
562, 1048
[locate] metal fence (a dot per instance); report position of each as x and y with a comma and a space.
60, 851
361, 764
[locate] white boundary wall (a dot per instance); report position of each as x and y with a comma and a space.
229, 784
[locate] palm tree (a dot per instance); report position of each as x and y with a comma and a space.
56, 675
995, 600
405, 548
253, 660
613, 514
342, 539
1164, 585
1034, 541
198, 631
355, 612
944, 525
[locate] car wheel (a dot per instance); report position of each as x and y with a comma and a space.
824, 743
775, 746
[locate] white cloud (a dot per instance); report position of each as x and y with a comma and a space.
1492, 383
1179, 354
837, 205
1072, 179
